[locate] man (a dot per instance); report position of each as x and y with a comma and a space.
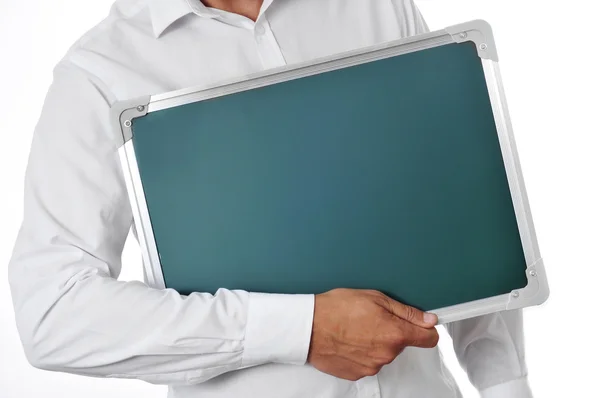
74, 316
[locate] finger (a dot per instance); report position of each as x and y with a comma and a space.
410, 314
415, 336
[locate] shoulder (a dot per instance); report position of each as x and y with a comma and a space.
106, 49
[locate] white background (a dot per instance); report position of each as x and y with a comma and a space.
549, 59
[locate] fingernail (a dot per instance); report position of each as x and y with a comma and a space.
430, 318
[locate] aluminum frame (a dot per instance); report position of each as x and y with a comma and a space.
478, 31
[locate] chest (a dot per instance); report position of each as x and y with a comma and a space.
203, 52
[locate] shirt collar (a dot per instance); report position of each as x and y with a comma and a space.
265, 5
165, 12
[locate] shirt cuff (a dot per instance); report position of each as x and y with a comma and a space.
278, 328
518, 388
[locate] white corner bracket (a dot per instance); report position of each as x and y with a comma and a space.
122, 114
535, 293
480, 33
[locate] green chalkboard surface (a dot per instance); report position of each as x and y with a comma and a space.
386, 175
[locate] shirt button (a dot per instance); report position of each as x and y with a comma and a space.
260, 30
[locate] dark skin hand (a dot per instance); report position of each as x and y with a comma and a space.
356, 332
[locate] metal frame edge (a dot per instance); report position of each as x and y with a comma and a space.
122, 114
537, 289
141, 216
480, 33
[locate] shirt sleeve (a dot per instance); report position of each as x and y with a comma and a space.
72, 313
490, 349
410, 18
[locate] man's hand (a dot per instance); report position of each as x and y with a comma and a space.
356, 332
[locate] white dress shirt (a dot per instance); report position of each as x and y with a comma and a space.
73, 314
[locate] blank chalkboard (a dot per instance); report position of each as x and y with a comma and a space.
385, 175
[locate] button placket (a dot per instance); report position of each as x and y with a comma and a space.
259, 30
268, 48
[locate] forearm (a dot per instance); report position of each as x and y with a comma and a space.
80, 320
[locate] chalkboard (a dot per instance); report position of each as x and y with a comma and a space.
385, 175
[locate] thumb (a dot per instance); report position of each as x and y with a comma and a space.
411, 314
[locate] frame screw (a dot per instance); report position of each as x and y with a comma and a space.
483, 46
127, 123
533, 273
140, 108
515, 294
463, 35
